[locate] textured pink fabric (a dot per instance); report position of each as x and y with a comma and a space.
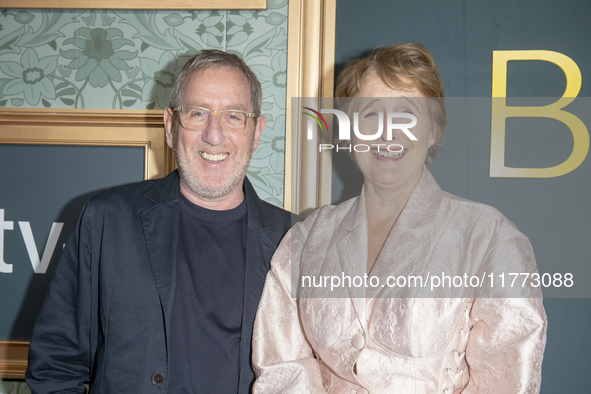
376, 342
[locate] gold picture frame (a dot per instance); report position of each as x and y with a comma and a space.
13, 359
310, 73
311, 28
31, 126
139, 4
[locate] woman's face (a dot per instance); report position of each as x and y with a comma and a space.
392, 170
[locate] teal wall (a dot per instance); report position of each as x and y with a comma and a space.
13, 387
128, 60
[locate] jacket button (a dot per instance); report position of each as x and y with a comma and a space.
157, 378
361, 390
358, 341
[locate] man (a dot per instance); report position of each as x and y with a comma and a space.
159, 284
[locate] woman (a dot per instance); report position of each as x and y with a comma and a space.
376, 339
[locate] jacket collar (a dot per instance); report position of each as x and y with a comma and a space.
259, 250
420, 210
168, 189
258, 217
165, 189
417, 218
406, 250
161, 224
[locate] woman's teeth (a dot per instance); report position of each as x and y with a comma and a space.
391, 155
214, 158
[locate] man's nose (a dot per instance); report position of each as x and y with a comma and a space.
213, 133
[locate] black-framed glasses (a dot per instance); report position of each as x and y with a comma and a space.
197, 118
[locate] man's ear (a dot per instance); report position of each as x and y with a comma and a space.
258, 131
169, 126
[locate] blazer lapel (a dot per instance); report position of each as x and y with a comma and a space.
352, 250
407, 248
259, 250
160, 224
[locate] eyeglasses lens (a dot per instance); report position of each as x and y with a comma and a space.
199, 118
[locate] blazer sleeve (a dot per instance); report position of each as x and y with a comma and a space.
282, 358
60, 357
508, 336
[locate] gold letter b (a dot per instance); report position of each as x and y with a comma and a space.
500, 112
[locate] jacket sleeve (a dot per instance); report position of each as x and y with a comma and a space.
508, 336
506, 346
60, 355
282, 358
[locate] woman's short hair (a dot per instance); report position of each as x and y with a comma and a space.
401, 67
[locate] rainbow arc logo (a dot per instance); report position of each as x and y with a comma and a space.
316, 118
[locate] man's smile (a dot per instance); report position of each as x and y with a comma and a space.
214, 158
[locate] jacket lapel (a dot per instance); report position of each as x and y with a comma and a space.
259, 250
407, 248
352, 250
161, 223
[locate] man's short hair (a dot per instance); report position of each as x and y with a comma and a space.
216, 58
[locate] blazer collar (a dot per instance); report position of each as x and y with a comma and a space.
259, 250
416, 219
258, 217
420, 210
408, 246
356, 215
160, 222
165, 189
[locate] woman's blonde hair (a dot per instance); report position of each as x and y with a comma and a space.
402, 67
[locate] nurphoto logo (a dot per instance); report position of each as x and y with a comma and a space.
394, 120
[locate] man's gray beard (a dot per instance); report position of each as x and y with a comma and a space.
190, 180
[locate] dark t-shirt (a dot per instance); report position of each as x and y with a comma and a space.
206, 314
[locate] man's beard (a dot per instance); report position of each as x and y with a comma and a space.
191, 181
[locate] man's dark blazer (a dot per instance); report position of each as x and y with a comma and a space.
107, 313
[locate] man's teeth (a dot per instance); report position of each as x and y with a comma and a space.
392, 155
210, 157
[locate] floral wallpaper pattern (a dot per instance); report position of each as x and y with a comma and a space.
14, 387
103, 59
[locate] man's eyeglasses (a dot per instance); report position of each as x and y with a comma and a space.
230, 120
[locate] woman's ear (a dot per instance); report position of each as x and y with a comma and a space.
432, 135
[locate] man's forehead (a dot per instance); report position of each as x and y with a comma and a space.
215, 83
217, 75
